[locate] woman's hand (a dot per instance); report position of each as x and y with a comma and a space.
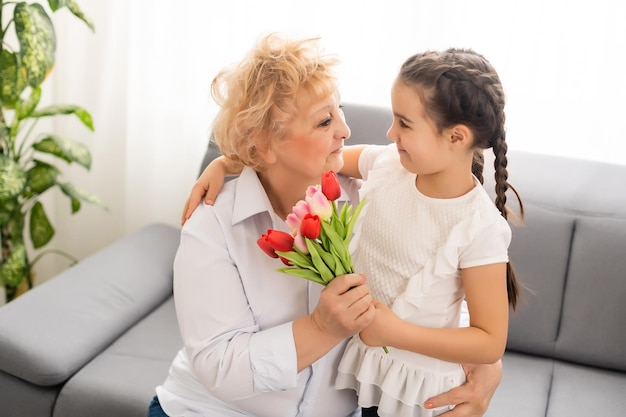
472, 398
344, 308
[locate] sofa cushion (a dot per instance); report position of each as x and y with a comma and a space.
525, 387
50, 332
581, 391
594, 308
123, 378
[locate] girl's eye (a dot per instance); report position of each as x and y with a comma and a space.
402, 124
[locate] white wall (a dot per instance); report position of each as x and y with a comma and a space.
145, 76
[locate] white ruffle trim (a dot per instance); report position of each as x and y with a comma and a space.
398, 385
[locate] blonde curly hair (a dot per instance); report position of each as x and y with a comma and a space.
258, 96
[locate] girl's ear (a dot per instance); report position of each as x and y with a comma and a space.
460, 135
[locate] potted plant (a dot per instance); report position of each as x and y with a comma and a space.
29, 160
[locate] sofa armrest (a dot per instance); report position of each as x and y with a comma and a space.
50, 332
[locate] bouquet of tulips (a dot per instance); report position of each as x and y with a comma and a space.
317, 247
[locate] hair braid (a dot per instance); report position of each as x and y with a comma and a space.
459, 86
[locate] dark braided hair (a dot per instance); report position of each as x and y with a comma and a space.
459, 86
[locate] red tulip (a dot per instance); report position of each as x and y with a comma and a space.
265, 246
310, 226
275, 240
279, 240
330, 186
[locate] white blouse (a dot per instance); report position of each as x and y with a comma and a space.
235, 314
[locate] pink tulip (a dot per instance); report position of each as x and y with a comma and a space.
299, 243
312, 189
293, 222
301, 209
319, 204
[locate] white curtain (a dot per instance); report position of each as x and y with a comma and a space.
145, 74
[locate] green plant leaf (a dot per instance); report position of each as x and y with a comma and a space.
6, 210
60, 109
41, 231
14, 269
12, 178
26, 108
77, 194
12, 81
73, 7
35, 33
42, 176
67, 149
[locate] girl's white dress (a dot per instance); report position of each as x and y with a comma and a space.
412, 247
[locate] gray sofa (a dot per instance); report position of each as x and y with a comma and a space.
97, 339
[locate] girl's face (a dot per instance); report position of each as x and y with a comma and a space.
314, 140
423, 150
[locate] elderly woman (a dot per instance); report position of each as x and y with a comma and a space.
258, 342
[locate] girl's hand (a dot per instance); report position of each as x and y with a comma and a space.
473, 397
381, 331
209, 184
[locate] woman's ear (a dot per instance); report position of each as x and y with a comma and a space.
265, 151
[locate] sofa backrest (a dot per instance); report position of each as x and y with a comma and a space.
570, 252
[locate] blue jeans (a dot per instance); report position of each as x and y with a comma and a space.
155, 409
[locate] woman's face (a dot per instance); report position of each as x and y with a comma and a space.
314, 140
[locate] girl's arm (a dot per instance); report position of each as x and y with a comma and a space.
482, 342
211, 181
209, 184
351, 156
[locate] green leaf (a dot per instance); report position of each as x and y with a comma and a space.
26, 108
41, 231
66, 149
6, 210
14, 269
326, 274
78, 195
12, 81
303, 273
12, 178
352, 222
42, 176
76, 11
35, 33
73, 7
335, 239
297, 259
61, 109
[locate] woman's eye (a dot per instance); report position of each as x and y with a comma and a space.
326, 122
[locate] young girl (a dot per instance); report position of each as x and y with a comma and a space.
429, 237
